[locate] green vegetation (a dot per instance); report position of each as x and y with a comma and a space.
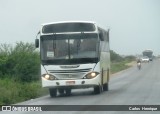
20, 72
118, 66
119, 63
20, 62
13, 92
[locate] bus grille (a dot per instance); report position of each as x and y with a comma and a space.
70, 71
70, 74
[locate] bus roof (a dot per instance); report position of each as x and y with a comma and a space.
68, 22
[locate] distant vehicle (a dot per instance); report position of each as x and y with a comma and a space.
145, 59
74, 54
148, 53
139, 65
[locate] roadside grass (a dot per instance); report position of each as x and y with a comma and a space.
119, 66
12, 92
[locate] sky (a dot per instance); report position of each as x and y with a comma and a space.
134, 24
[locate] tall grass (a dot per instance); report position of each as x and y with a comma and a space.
119, 66
13, 92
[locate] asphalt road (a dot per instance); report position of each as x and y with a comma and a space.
128, 87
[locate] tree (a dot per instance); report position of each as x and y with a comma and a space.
20, 62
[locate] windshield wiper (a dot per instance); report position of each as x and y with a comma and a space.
78, 44
54, 41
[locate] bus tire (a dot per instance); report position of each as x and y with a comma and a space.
61, 91
53, 92
105, 87
68, 92
97, 89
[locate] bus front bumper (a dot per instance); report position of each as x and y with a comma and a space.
73, 84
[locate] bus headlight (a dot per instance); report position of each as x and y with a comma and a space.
48, 76
91, 75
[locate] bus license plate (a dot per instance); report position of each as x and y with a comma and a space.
70, 82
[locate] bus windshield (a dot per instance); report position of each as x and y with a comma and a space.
69, 49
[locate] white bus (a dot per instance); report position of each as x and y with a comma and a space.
148, 53
74, 54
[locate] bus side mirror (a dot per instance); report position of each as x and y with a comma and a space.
37, 43
101, 36
108, 35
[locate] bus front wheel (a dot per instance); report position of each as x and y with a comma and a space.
97, 89
53, 92
61, 91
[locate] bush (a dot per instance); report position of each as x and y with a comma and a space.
4, 54
130, 58
118, 62
115, 57
20, 62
